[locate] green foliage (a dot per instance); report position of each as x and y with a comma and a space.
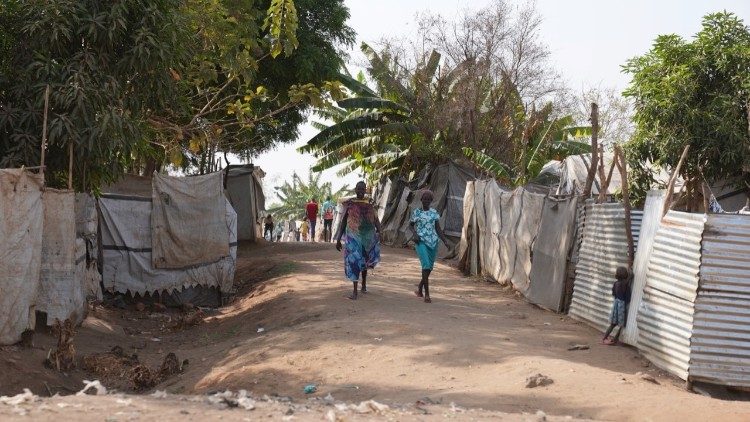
292, 197
137, 84
107, 63
692, 93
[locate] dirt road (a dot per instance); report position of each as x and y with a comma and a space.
475, 345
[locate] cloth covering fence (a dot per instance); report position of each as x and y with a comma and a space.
61, 289
126, 250
21, 224
188, 220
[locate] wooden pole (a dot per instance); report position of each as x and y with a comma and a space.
44, 130
672, 180
623, 166
706, 197
602, 177
594, 149
70, 165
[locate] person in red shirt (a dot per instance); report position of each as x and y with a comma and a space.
312, 216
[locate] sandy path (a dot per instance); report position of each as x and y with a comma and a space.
475, 345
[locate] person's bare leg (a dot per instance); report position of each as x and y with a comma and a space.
420, 287
427, 286
353, 296
364, 281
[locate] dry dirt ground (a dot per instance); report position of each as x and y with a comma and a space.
291, 326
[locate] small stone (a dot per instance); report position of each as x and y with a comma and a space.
541, 416
647, 377
140, 307
538, 380
184, 412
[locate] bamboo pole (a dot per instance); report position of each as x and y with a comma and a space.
70, 165
594, 149
672, 180
44, 131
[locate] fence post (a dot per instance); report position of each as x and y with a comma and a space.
594, 149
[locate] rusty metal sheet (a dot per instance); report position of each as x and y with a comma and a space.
720, 345
665, 316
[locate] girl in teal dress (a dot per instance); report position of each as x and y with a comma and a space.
425, 224
361, 247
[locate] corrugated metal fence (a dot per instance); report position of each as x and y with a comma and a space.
720, 347
603, 249
665, 318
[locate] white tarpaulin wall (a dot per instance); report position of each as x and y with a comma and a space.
126, 250
549, 259
245, 191
21, 220
188, 220
500, 230
61, 294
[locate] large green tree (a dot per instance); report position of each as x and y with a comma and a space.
693, 92
138, 84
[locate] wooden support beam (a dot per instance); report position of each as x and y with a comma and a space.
70, 165
672, 180
594, 150
623, 167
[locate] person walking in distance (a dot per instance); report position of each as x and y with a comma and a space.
312, 216
361, 245
268, 227
327, 211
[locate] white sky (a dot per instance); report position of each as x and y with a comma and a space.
589, 40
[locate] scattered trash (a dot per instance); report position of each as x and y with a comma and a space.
229, 399
125, 402
370, 406
261, 329
541, 416
310, 388
155, 339
538, 380
159, 394
26, 396
100, 389
456, 409
329, 398
647, 377
547, 323
190, 319
579, 347
378, 338
331, 416
114, 367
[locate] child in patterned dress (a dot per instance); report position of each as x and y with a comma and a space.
425, 223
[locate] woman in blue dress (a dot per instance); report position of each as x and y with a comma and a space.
425, 224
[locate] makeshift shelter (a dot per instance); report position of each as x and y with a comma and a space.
448, 184
244, 189
87, 231
129, 227
21, 223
